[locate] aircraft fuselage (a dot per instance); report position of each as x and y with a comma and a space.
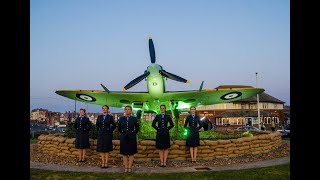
155, 82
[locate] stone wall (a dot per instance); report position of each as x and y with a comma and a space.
208, 149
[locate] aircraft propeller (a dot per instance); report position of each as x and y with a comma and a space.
152, 51
161, 71
136, 81
172, 76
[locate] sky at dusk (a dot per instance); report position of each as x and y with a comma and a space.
79, 44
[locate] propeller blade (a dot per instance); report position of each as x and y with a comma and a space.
151, 50
173, 77
136, 81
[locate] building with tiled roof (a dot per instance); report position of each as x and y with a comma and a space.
245, 111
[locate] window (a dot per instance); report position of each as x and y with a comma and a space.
265, 106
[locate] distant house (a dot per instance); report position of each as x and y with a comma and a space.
39, 114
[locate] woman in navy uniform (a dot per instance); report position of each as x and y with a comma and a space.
163, 136
193, 124
128, 127
82, 126
105, 125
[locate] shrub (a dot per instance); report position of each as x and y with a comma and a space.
247, 134
116, 134
146, 130
36, 134
212, 135
70, 132
178, 135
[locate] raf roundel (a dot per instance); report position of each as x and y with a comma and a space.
86, 97
231, 95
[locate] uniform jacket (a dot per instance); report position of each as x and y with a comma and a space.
82, 125
128, 126
105, 125
161, 124
193, 123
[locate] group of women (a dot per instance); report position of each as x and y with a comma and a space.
128, 126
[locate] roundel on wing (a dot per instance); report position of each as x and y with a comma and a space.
231, 95
86, 97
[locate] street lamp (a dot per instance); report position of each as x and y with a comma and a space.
259, 124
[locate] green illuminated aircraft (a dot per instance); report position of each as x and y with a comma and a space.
175, 101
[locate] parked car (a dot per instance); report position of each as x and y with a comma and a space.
285, 132
248, 128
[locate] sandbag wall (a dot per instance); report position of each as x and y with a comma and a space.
208, 149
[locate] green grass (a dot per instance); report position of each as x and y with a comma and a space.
286, 138
273, 172
33, 141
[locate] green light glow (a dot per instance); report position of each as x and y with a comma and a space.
185, 132
183, 105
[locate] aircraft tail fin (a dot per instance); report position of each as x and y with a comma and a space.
105, 88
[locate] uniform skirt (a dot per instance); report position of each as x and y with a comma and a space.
104, 142
193, 139
128, 144
163, 139
82, 140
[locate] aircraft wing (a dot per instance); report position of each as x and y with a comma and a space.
112, 98
221, 94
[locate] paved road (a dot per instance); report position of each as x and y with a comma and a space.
266, 163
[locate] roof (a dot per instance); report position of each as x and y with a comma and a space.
245, 113
263, 97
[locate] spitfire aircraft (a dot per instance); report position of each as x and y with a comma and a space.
150, 101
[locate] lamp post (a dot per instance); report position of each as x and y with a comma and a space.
75, 109
259, 124
87, 107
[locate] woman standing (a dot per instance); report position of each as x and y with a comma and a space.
105, 125
128, 127
82, 126
193, 124
163, 136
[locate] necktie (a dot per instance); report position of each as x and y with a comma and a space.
193, 116
80, 118
162, 115
127, 118
104, 117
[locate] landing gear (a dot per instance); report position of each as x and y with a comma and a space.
175, 114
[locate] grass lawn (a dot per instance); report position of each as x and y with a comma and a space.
273, 172
286, 138
33, 141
